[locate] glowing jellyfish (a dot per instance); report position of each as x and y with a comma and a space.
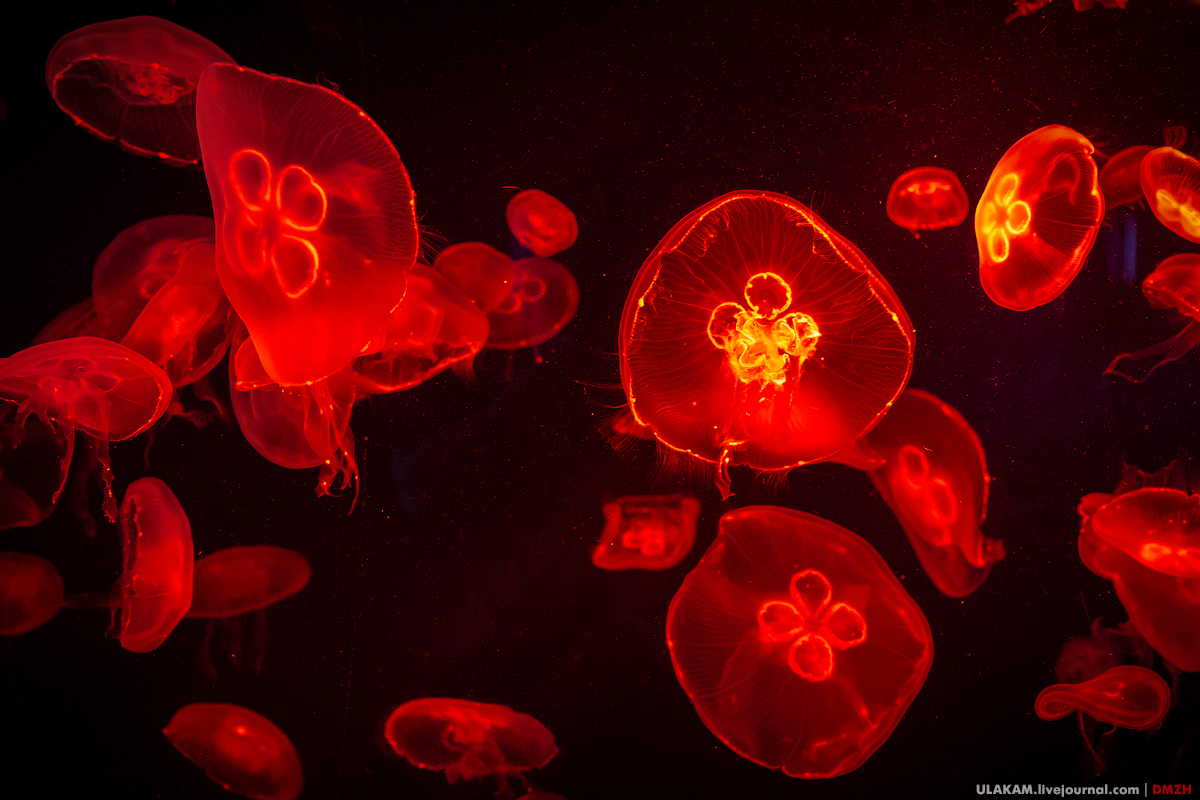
1121, 177
1171, 183
541, 301
796, 644
1163, 607
1157, 526
133, 82
927, 199
1037, 218
647, 532
85, 384
1126, 696
241, 750
296, 427
316, 227
469, 740
541, 223
755, 334
479, 270
936, 482
155, 590
1175, 283
434, 328
31, 592
1025, 7
243, 580
34, 460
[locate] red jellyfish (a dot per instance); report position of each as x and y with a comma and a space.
542, 299
241, 580
296, 427
1156, 525
1037, 218
31, 592
1124, 696
936, 482
1162, 605
316, 227
1171, 182
755, 334
1121, 177
927, 199
241, 750
133, 82
155, 590
434, 328
541, 223
1175, 283
647, 532
84, 384
796, 644
469, 740
479, 270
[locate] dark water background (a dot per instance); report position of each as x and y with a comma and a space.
465, 569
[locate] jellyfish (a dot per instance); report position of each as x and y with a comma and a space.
541, 301
434, 328
1124, 696
936, 482
1159, 527
1025, 7
155, 590
797, 645
541, 223
1175, 283
1171, 183
241, 750
96, 387
755, 334
34, 461
1082, 658
296, 427
1162, 607
647, 532
31, 592
243, 580
927, 199
1037, 218
479, 270
469, 740
133, 82
1121, 177
316, 228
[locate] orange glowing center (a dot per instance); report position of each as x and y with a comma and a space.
1171, 210
1004, 216
644, 537
936, 502
274, 217
760, 340
926, 188
814, 626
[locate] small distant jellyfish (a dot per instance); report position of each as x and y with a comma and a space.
1038, 217
155, 590
469, 740
541, 223
647, 532
133, 82
796, 643
1175, 283
927, 199
1171, 183
541, 301
235, 581
241, 750
31, 592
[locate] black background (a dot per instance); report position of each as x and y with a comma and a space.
464, 571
